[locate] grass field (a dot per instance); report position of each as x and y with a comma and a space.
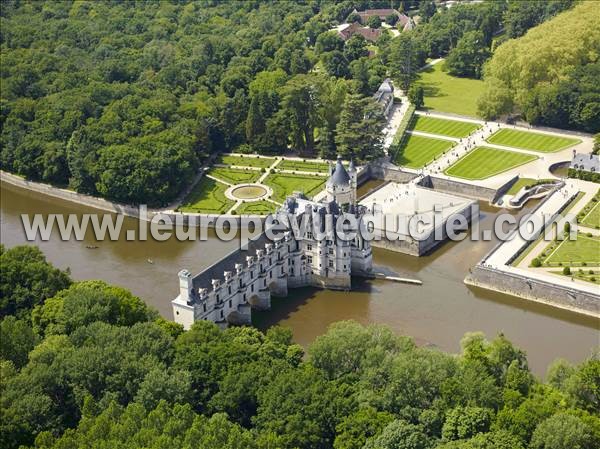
584, 275
526, 140
451, 128
208, 197
592, 218
522, 182
484, 162
318, 167
234, 175
246, 161
285, 184
584, 250
447, 93
256, 208
416, 151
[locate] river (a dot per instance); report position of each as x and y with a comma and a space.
437, 313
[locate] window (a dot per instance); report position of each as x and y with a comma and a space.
309, 247
204, 307
330, 250
309, 235
270, 275
230, 305
331, 263
344, 267
252, 288
309, 259
229, 289
217, 297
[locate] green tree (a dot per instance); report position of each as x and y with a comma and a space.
354, 430
406, 57
416, 96
16, 340
356, 47
466, 422
563, 431
26, 280
374, 22
399, 435
467, 58
359, 133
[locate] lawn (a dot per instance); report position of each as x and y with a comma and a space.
318, 167
246, 161
526, 140
584, 275
484, 162
592, 219
417, 151
256, 208
447, 93
207, 197
284, 185
451, 128
235, 175
584, 250
522, 182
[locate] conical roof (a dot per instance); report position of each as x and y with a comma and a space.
340, 176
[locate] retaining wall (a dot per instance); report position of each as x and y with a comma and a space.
534, 290
457, 187
202, 220
390, 173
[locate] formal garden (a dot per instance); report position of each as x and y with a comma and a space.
252, 185
417, 151
590, 214
578, 258
526, 140
484, 162
443, 127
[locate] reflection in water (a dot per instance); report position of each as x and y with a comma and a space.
439, 312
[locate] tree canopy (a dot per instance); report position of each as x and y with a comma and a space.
94, 367
550, 74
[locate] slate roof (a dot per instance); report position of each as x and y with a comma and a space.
586, 162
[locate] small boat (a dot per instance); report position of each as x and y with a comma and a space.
150, 261
91, 246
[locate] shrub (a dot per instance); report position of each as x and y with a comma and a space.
584, 264
593, 279
591, 272
536, 262
566, 271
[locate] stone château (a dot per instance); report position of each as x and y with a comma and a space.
245, 279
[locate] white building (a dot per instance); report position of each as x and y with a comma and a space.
226, 292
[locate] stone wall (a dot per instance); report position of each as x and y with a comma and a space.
389, 172
414, 247
457, 187
535, 290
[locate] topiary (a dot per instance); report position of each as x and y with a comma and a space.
566, 271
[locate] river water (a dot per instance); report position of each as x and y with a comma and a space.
437, 313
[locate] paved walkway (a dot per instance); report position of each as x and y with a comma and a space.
500, 257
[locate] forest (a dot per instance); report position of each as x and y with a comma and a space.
89, 365
559, 86
126, 100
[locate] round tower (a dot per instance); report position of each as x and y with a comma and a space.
340, 187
